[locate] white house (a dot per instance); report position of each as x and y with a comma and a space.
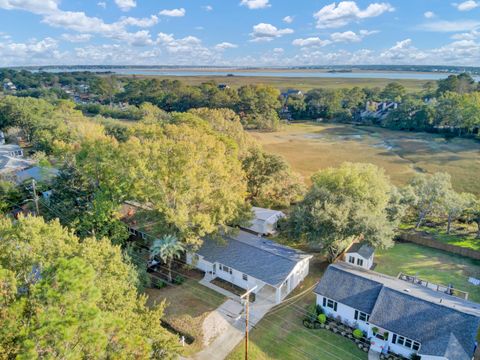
360, 254
264, 221
399, 316
378, 110
246, 260
241, 258
11, 158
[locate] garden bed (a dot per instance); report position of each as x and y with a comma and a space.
237, 290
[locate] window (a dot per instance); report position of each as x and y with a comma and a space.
332, 304
226, 269
361, 316
245, 277
351, 260
359, 262
408, 343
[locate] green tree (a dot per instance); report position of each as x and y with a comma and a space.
429, 193
346, 203
168, 248
270, 180
62, 297
258, 106
454, 205
393, 92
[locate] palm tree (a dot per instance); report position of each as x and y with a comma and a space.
167, 249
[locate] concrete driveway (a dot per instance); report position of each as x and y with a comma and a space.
225, 327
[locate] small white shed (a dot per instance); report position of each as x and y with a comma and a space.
264, 221
360, 254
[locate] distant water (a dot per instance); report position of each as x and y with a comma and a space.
396, 75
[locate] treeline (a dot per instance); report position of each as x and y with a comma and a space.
450, 105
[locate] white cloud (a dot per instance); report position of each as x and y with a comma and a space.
126, 5
450, 26
43, 51
173, 13
347, 36
336, 37
255, 4
102, 4
140, 22
429, 14
288, 19
472, 35
225, 45
268, 32
334, 16
76, 38
34, 6
467, 5
311, 41
207, 7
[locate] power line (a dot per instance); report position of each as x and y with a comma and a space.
293, 306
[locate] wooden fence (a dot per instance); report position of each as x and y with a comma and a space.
426, 240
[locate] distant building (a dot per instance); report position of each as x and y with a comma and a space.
8, 86
290, 92
223, 86
378, 110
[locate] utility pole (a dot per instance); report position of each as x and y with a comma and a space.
35, 197
246, 298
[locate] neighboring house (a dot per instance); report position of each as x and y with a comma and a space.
378, 110
360, 254
9, 86
38, 173
290, 92
223, 86
400, 316
264, 221
246, 261
11, 158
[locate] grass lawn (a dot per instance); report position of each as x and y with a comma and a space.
187, 307
461, 234
281, 335
430, 264
309, 147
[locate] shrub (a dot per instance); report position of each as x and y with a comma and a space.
158, 283
312, 309
179, 280
322, 318
357, 334
415, 357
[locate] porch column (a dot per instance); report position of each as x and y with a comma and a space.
278, 295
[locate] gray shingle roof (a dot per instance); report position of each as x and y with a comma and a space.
442, 331
349, 289
444, 325
363, 249
260, 258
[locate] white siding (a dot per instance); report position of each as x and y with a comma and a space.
367, 263
347, 314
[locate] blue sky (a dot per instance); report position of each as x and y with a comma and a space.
239, 32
